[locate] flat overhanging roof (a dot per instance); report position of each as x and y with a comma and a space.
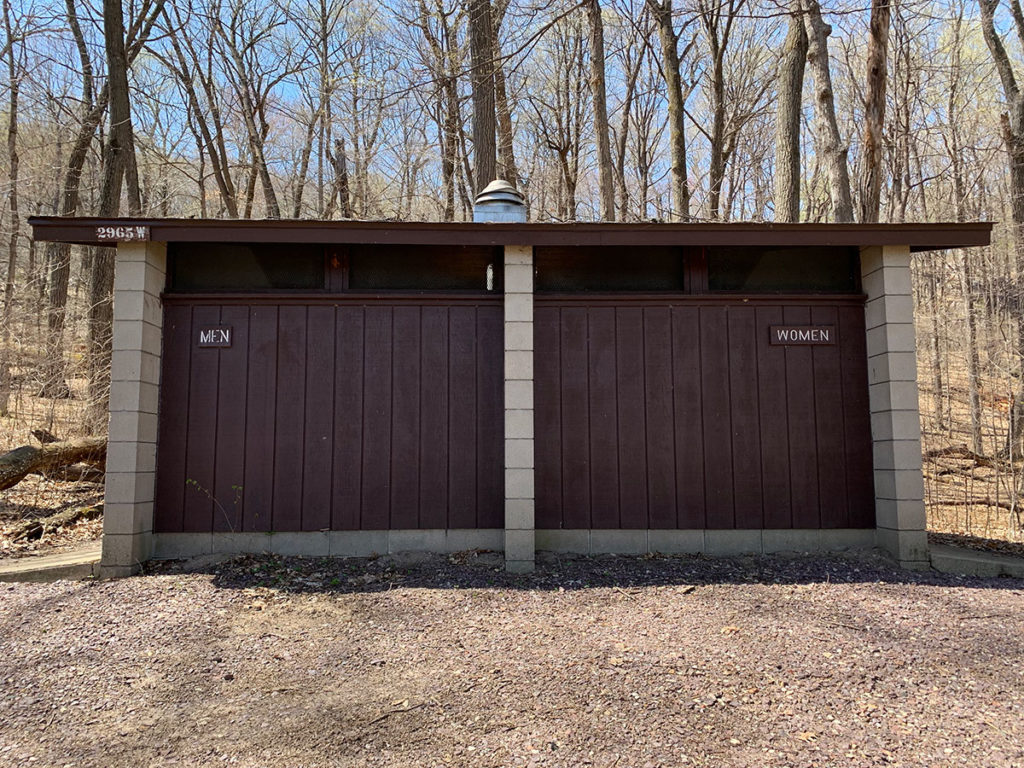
920, 237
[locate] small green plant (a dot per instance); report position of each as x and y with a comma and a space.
236, 489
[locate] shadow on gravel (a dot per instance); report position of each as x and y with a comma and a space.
485, 570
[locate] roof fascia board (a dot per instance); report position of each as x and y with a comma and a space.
918, 237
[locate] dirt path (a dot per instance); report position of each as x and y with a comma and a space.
603, 662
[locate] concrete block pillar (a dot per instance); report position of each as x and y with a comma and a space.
895, 420
519, 464
139, 277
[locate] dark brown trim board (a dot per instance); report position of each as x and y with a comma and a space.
920, 237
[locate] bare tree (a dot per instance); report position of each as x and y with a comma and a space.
717, 20
834, 152
506, 138
676, 97
203, 102
119, 165
481, 51
1012, 122
58, 255
874, 111
598, 93
559, 111
632, 54
439, 28
256, 64
787, 123
15, 49
647, 128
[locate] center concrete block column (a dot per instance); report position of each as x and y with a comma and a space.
139, 277
895, 420
519, 464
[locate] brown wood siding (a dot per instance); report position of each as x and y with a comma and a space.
677, 413
341, 415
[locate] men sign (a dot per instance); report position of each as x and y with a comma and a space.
218, 336
802, 334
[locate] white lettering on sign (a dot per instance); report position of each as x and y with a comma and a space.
215, 337
799, 334
123, 234
802, 334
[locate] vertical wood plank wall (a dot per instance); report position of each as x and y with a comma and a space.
340, 415
657, 413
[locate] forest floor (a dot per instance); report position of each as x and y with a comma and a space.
37, 496
430, 661
971, 500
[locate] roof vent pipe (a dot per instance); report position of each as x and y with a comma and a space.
499, 202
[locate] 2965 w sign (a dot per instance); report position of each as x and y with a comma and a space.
123, 234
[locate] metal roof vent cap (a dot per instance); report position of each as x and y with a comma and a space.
499, 202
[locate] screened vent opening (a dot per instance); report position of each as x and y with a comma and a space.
609, 270
783, 270
425, 268
245, 267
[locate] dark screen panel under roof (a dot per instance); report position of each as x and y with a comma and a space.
600, 268
781, 270
424, 268
245, 266
920, 237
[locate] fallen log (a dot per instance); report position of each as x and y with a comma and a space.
966, 454
76, 473
14, 466
35, 529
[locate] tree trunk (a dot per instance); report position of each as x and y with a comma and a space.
717, 19
966, 278
874, 111
14, 73
632, 72
16, 464
1012, 124
339, 161
662, 13
481, 50
307, 150
716, 172
936, 348
257, 136
119, 154
598, 92
506, 146
834, 152
58, 255
449, 148
787, 124
119, 165
973, 363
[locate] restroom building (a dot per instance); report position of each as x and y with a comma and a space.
348, 388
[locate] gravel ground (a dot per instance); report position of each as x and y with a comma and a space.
440, 662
